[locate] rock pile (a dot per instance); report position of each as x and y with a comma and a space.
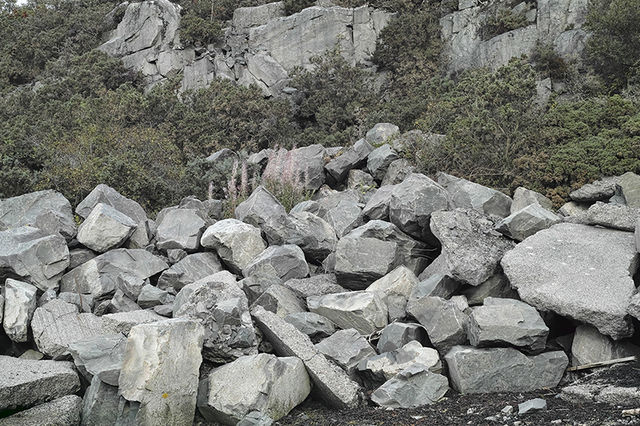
402, 291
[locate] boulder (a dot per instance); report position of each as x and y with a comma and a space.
109, 196
613, 216
444, 320
313, 325
99, 356
496, 286
470, 246
473, 370
346, 348
270, 385
166, 387
415, 386
469, 195
285, 262
46, 210
341, 210
313, 235
412, 203
397, 334
318, 285
364, 311
531, 405
379, 160
600, 190
526, 222
333, 384
629, 184
99, 276
190, 269
523, 197
26, 383
62, 411
34, 256
385, 366
179, 228
78, 256
305, 165
254, 285
553, 266
573, 209
507, 322
236, 242
219, 304
394, 289
100, 404
123, 322
360, 181
360, 261
590, 346
437, 285
353, 158
280, 300
264, 211
397, 171
19, 305
377, 208
381, 132
57, 324
105, 228
151, 296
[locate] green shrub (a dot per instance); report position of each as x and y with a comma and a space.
295, 6
195, 30
504, 20
547, 62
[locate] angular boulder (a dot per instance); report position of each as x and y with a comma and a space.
551, 268
613, 216
105, 228
600, 190
100, 357
360, 261
62, 411
523, 197
415, 386
263, 211
397, 334
284, 262
237, 243
313, 235
386, 365
590, 346
318, 285
379, 160
381, 132
313, 325
526, 222
394, 289
19, 305
444, 320
352, 158
364, 311
188, 270
179, 228
471, 195
346, 348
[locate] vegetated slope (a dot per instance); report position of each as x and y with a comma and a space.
71, 117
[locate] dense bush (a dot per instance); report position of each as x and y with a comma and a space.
547, 62
504, 20
295, 6
195, 30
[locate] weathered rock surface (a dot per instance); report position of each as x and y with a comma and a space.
507, 322
590, 346
394, 289
386, 365
601, 190
313, 235
397, 334
62, 411
264, 211
270, 385
629, 184
34, 256
444, 320
553, 266
236, 242
105, 228
361, 261
436, 285
313, 325
474, 370
613, 216
341, 210
470, 195
523, 197
346, 348
285, 262
280, 300
100, 357
160, 370
318, 285
379, 160
415, 386
364, 311
471, 248
19, 305
526, 222
100, 404
25, 383
179, 228
47, 210
188, 270
223, 309
352, 158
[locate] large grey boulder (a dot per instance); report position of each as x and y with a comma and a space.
523, 197
629, 184
190, 269
166, 387
78, 256
313, 325
223, 309
62, 411
255, 285
57, 324
507, 322
412, 203
270, 385
364, 311
264, 211
284, 262
47, 210
386, 365
601, 190
123, 322
394, 289
360, 261
397, 171
25, 383
280, 300
471, 195
313, 235
613, 216
99, 276
107, 195
353, 158
100, 404
444, 320
179, 228
245, 17
397, 334
473, 370
377, 207
34, 256
379, 160
555, 265
437, 284
305, 165
333, 384
346, 348
496, 286
471, 248
318, 285
105, 228
236, 242
590, 346
526, 222
341, 210
19, 305
99, 356
415, 386
381, 132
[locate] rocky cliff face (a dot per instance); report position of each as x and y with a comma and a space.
261, 46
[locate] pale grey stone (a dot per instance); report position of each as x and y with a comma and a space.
473, 370
523, 197
236, 242
79, 256
470, 195
254, 285
551, 267
100, 357
84, 302
166, 387
397, 334
394, 289
444, 321
245, 17
105, 228
123, 322
496, 286
305, 165
381, 132
19, 305
613, 216
346, 348
378, 205
436, 285
341, 210
415, 386
34, 256
179, 228
379, 160
264, 211
189, 270
364, 311
285, 262
280, 300
507, 322
47, 210
318, 285
313, 325
333, 384
270, 385
360, 181
526, 222
26, 383
61, 411
629, 184
360, 261
387, 365
397, 171
151, 296
100, 404
531, 405
313, 235
573, 209
600, 190
590, 346
353, 158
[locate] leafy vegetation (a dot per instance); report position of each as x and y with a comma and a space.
504, 20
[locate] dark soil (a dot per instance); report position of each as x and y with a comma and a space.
485, 409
